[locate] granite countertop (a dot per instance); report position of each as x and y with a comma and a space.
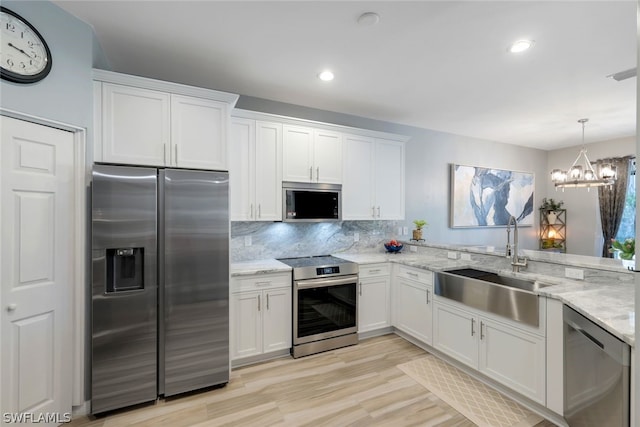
608, 304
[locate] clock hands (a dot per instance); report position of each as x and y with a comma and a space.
20, 50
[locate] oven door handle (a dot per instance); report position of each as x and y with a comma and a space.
321, 283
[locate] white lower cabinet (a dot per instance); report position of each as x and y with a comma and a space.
260, 314
374, 297
510, 355
414, 303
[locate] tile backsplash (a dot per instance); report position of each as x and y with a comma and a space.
262, 240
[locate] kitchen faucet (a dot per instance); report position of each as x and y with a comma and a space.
512, 252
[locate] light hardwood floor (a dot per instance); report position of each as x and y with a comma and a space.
352, 386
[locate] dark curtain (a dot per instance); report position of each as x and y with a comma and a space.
611, 200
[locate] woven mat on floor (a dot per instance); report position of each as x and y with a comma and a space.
476, 401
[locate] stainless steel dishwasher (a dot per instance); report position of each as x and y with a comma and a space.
596, 374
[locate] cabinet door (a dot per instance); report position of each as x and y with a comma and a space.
246, 324
198, 133
373, 303
276, 319
327, 157
357, 185
241, 169
297, 152
455, 332
522, 367
268, 171
135, 125
389, 179
414, 309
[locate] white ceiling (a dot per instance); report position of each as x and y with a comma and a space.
436, 65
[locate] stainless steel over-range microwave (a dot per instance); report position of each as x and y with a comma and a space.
311, 202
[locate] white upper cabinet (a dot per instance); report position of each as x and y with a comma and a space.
255, 170
358, 191
242, 139
389, 179
136, 125
141, 121
198, 133
311, 155
373, 186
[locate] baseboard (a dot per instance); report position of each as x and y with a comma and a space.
81, 410
237, 363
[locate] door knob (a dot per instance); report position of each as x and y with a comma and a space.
12, 307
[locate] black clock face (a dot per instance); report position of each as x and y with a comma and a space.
24, 55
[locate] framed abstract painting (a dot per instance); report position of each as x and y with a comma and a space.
485, 197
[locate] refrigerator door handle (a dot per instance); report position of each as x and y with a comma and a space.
161, 284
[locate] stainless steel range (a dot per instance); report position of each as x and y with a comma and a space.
325, 304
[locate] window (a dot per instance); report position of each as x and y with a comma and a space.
628, 224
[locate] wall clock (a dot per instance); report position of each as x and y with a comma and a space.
24, 54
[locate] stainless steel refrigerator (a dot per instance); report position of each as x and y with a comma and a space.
160, 283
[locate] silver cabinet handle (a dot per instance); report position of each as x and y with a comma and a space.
481, 330
412, 274
176, 150
427, 296
318, 173
373, 211
267, 301
310, 173
258, 302
473, 330
360, 288
376, 270
378, 211
164, 153
12, 307
259, 211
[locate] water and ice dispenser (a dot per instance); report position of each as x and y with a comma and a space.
125, 269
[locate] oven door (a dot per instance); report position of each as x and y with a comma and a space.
324, 308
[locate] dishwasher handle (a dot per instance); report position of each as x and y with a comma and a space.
610, 344
588, 335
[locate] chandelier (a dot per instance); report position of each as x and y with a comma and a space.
583, 175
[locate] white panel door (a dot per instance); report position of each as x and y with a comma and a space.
414, 310
276, 319
455, 333
297, 153
198, 133
135, 125
389, 179
246, 324
241, 169
327, 157
357, 184
268, 171
36, 264
522, 367
373, 303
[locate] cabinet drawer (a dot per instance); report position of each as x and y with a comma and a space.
260, 282
373, 270
419, 275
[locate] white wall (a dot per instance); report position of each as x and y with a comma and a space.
584, 233
65, 95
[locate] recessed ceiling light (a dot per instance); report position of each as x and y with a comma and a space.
520, 46
368, 19
326, 76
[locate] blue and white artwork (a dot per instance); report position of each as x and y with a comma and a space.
484, 197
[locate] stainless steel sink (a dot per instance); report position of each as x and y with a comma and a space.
505, 296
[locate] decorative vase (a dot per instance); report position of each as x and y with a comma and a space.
417, 234
551, 217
